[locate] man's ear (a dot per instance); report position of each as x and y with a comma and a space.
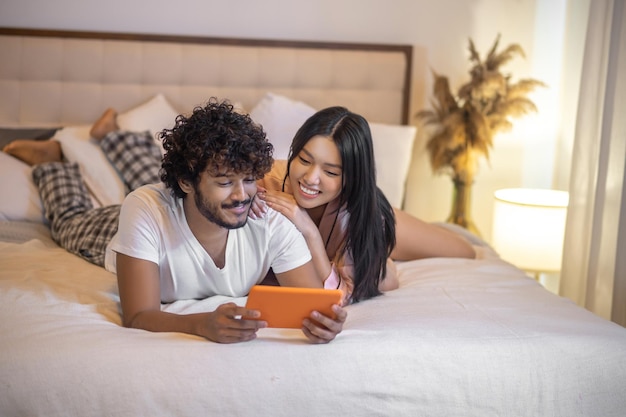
185, 186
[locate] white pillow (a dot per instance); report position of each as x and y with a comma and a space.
154, 115
281, 117
101, 178
20, 201
393, 150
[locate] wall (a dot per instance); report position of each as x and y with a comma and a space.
442, 27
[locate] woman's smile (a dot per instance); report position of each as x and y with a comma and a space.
309, 191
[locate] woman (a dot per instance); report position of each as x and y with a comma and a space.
327, 188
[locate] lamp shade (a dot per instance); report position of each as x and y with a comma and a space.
529, 226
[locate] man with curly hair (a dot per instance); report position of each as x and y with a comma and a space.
183, 232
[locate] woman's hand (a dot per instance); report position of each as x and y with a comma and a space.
321, 329
286, 205
258, 207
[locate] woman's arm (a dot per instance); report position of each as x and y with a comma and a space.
285, 204
139, 288
303, 276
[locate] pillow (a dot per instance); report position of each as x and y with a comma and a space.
20, 201
281, 117
154, 115
393, 151
99, 175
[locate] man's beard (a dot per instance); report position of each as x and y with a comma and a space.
212, 211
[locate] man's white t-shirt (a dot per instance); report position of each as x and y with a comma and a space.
153, 227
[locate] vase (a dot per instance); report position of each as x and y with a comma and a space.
461, 206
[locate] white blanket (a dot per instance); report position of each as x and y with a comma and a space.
460, 337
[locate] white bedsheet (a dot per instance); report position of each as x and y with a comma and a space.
459, 338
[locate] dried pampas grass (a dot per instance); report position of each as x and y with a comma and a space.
463, 126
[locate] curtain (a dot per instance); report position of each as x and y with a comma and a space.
593, 273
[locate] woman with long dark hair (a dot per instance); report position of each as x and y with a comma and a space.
327, 188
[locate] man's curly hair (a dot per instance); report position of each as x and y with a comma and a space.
216, 139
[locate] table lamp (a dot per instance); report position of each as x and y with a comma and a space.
529, 226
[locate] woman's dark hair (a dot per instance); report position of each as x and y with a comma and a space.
371, 233
216, 138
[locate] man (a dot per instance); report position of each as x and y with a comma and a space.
189, 236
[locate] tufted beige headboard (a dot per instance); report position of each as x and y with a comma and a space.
56, 78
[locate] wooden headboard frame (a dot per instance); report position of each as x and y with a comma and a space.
59, 77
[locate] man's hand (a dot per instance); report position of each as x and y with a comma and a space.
322, 329
224, 325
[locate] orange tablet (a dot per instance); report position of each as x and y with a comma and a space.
286, 307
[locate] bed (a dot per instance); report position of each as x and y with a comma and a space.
458, 338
